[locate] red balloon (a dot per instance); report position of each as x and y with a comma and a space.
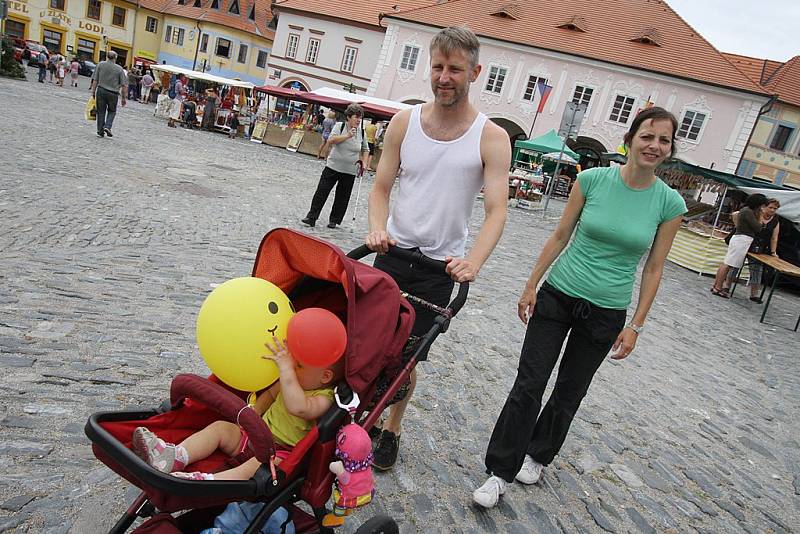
316, 337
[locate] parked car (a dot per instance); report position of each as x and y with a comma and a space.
32, 50
19, 48
86, 67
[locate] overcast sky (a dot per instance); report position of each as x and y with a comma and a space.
759, 28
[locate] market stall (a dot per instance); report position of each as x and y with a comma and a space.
711, 197
534, 162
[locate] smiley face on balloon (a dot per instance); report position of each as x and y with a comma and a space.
235, 322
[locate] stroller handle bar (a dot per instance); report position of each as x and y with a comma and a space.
418, 258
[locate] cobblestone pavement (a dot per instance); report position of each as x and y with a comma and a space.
108, 247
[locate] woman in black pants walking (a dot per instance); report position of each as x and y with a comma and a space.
348, 148
617, 214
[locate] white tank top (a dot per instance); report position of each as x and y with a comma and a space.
437, 186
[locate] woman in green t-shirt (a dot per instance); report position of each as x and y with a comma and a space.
616, 214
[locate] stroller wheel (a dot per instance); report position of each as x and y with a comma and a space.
380, 524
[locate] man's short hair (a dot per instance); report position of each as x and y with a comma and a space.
112, 55
455, 38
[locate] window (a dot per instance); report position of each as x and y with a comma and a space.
349, 58
93, 9
781, 137
15, 28
242, 57
621, 110
496, 79
151, 25
177, 36
168, 34
234, 7
223, 47
691, 125
197, 3
52, 40
57, 4
261, 60
582, 95
530, 89
252, 14
204, 42
291, 45
313, 51
119, 16
215, 4
86, 49
410, 56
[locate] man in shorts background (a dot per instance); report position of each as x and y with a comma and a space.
443, 153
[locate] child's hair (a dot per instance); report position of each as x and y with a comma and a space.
337, 368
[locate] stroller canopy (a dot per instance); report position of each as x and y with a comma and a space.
314, 273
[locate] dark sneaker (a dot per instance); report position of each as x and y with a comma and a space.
310, 222
100, 135
386, 451
332, 225
108, 132
375, 432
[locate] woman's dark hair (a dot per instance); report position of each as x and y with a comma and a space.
654, 113
755, 201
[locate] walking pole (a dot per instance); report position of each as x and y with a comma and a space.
360, 174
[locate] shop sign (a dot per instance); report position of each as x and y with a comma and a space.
21, 6
146, 55
91, 26
56, 16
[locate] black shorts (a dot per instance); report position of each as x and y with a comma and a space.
371, 148
436, 288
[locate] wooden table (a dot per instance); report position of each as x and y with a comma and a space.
781, 268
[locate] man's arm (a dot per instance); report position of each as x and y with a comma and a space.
496, 156
123, 89
377, 239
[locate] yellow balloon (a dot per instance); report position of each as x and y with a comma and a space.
234, 323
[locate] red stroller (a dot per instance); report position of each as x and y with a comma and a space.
378, 360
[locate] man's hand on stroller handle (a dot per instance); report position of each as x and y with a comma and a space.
461, 269
379, 241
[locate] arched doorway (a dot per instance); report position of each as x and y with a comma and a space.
513, 129
295, 84
590, 151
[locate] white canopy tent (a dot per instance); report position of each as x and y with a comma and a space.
790, 201
204, 76
360, 99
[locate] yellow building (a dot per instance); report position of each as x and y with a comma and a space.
230, 38
85, 28
773, 152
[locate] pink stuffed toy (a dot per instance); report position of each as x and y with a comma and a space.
354, 485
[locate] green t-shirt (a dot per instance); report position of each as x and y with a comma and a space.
616, 227
288, 429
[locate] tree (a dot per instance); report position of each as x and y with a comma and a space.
8, 65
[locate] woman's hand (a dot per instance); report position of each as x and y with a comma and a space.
280, 355
527, 303
623, 346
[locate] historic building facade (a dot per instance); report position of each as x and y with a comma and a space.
615, 62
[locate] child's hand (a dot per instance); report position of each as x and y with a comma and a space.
280, 355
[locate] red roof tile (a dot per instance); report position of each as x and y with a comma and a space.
785, 82
752, 67
221, 16
609, 27
361, 11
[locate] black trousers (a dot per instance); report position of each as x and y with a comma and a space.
344, 186
592, 332
106, 102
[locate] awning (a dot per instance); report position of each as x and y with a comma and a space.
719, 176
302, 96
204, 76
376, 105
549, 142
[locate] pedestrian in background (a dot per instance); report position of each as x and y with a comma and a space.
349, 148
61, 70
74, 69
623, 212
147, 86
41, 61
108, 82
210, 110
370, 130
748, 225
51, 66
327, 126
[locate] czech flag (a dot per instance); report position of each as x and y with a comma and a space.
544, 93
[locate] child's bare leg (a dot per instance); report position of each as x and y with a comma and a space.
220, 435
242, 472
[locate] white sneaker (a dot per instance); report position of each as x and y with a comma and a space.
488, 494
530, 472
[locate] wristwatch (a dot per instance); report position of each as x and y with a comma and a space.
635, 327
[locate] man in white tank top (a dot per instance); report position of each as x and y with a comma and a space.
442, 153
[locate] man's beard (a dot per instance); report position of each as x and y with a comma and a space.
456, 95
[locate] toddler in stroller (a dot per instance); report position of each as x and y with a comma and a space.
289, 407
378, 322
